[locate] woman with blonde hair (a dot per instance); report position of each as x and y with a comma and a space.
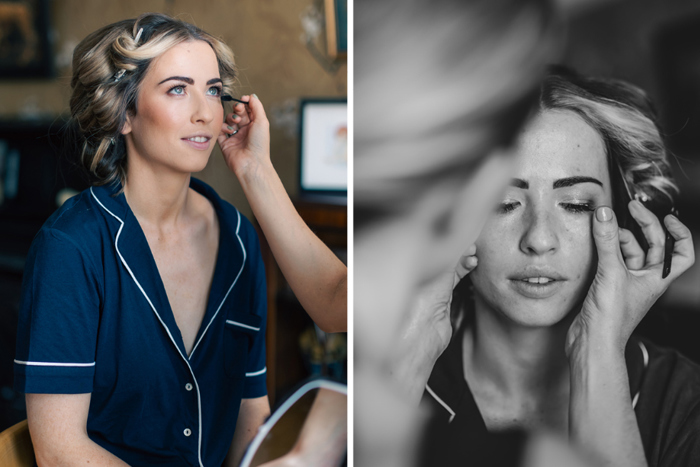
542, 326
141, 335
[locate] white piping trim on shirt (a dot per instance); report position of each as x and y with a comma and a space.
245, 255
236, 323
442, 403
645, 355
257, 373
54, 364
133, 277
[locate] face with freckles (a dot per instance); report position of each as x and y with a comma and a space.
179, 112
536, 253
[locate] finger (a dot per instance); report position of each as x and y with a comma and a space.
606, 237
631, 251
223, 133
227, 131
466, 264
256, 111
683, 251
653, 232
241, 114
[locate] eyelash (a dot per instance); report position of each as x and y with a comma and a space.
575, 208
219, 90
505, 208
578, 208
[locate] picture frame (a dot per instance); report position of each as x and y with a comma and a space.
337, 28
25, 50
323, 168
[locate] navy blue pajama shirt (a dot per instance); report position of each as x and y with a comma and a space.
95, 318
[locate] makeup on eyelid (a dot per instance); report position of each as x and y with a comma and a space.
583, 206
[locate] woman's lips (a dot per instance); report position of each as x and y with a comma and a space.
536, 287
197, 143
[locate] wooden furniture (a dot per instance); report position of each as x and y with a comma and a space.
285, 318
16, 446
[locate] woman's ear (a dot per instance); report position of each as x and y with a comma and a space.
126, 129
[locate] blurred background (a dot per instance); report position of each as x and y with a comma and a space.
291, 53
654, 44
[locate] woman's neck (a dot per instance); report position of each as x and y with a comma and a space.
523, 363
156, 198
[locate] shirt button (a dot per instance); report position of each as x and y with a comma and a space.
187, 432
188, 386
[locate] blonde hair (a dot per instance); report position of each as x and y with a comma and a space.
108, 68
624, 117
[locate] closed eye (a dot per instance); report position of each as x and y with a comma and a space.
505, 208
578, 208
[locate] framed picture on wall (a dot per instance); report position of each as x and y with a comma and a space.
24, 39
337, 28
323, 150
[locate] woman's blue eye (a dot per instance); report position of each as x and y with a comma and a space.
505, 208
178, 90
578, 208
216, 91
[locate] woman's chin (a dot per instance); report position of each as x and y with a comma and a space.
537, 316
195, 165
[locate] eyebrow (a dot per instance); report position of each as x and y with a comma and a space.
561, 183
189, 80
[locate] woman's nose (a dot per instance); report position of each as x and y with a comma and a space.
540, 235
202, 109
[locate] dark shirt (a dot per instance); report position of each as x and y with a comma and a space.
95, 318
665, 387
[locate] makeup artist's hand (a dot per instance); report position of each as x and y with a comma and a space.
628, 281
427, 329
245, 137
626, 284
315, 274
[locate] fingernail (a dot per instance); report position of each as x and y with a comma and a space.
229, 127
603, 214
256, 96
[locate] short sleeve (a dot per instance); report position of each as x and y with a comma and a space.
59, 317
256, 370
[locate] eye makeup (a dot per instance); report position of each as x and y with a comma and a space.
578, 208
227, 98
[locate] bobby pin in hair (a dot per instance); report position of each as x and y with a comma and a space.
138, 36
119, 74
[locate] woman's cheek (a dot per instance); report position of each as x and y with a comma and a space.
583, 258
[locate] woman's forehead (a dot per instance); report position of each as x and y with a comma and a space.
186, 59
557, 144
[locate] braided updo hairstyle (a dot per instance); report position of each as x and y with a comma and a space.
108, 68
